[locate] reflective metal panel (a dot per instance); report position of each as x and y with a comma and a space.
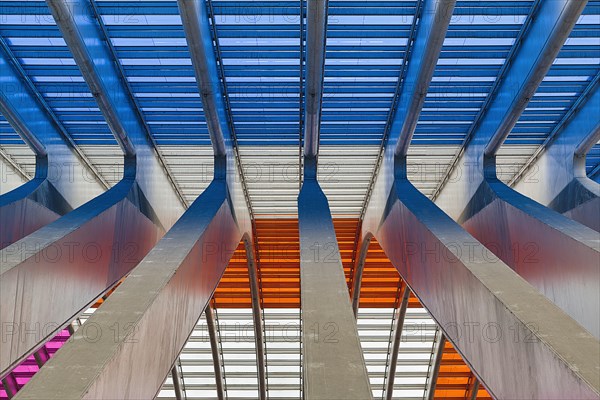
537, 50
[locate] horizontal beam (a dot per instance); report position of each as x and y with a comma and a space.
316, 36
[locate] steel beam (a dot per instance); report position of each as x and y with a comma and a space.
388, 391
170, 287
473, 389
93, 54
429, 39
448, 270
213, 337
555, 175
316, 37
438, 353
195, 19
358, 272
514, 329
333, 363
535, 52
257, 318
532, 239
79, 256
63, 179
176, 377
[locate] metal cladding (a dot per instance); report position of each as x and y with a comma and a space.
169, 287
62, 179
558, 178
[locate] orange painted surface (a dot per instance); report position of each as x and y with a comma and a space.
455, 377
279, 272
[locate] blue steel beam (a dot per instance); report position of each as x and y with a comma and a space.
426, 49
195, 19
555, 174
99, 67
477, 199
64, 178
316, 37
